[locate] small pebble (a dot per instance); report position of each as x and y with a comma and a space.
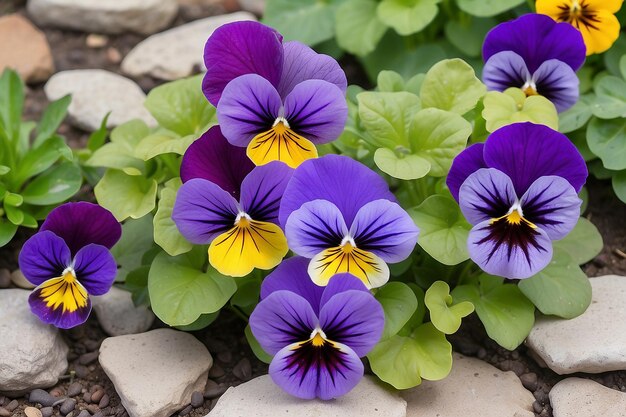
84, 413
98, 414
74, 389
87, 358
243, 369
225, 357
5, 278
186, 411
217, 346
216, 371
104, 402
213, 390
197, 399
537, 407
3, 400
87, 397
518, 368
68, 406
95, 388
12, 405
97, 396
20, 280
56, 392
515, 355
47, 411
92, 345
4, 412
32, 412
529, 381
114, 56
482, 353
81, 371
42, 397
96, 41
93, 408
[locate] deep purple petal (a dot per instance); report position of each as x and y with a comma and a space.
315, 226
280, 319
557, 82
302, 63
346, 183
211, 157
308, 372
514, 252
316, 110
537, 38
354, 318
291, 275
505, 69
44, 256
203, 211
486, 194
241, 48
526, 151
552, 204
464, 165
249, 106
263, 189
385, 229
82, 223
58, 316
95, 268
341, 283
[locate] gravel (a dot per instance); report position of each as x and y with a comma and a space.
39, 396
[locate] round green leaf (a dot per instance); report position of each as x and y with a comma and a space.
512, 106
404, 167
120, 152
166, 234
307, 21
399, 303
203, 321
135, 241
610, 100
485, 8
583, 243
619, 185
452, 85
445, 315
407, 16
607, 139
390, 82
468, 36
358, 27
54, 185
576, 117
125, 195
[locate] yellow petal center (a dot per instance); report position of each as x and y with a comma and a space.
514, 218
280, 143
64, 292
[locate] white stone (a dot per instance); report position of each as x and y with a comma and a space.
473, 388
32, 354
260, 397
118, 315
176, 52
593, 342
95, 93
104, 16
20, 280
253, 6
577, 397
156, 372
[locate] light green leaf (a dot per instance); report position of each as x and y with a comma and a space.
468, 35
400, 165
619, 185
14, 214
512, 106
7, 231
358, 28
576, 117
445, 315
307, 21
452, 85
256, 347
203, 321
54, 185
443, 229
407, 16
137, 283
125, 195
403, 361
181, 292
161, 143
561, 288
622, 66
610, 100
607, 139
11, 103
399, 303
485, 8
135, 241
505, 312
583, 243
51, 119
166, 234
390, 82
41, 158
120, 152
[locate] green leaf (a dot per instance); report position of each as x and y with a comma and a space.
97, 138
403, 361
14, 214
561, 289
54, 185
11, 103
166, 234
399, 303
407, 16
622, 66
610, 101
508, 316
41, 158
120, 152
583, 243
4, 170
438, 136
512, 106
162, 143
248, 292
136, 282
51, 119
203, 321
135, 241
485, 8
256, 347
443, 229
400, 165
358, 28
576, 117
390, 82
181, 107
452, 85
607, 139
12, 199
445, 315
468, 36
307, 21
7, 231
613, 56
180, 292
125, 195
619, 185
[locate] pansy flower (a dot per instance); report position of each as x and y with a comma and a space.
520, 192
315, 334
536, 54
595, 19
69, 260
342, 216
228, 203
277, 100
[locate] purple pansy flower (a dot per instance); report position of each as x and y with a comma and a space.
69, 260
228, 203
275, 99
536, 54
519, 190
316, 334
342, 216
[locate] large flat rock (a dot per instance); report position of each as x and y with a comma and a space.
260, 397
32, 354
593, 342
577, 397
473, 388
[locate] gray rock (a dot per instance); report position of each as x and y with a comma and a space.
592, 342
104, 16
94, 94
67, 406
473, 388
253, 6
39, 396
577, 397
175, 53
156, 372
118, 315
20, 280
260, 397
32, 354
